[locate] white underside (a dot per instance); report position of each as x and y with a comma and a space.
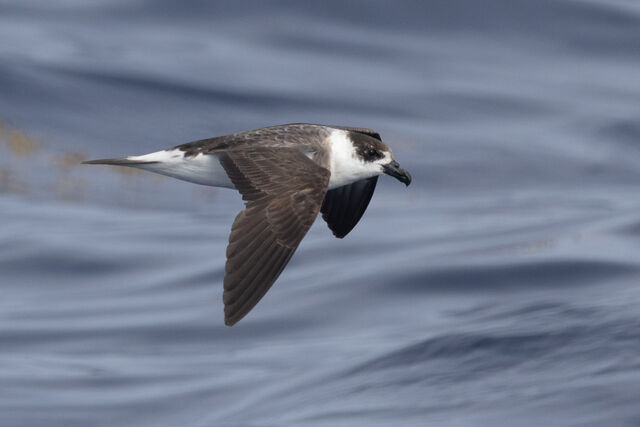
200, 169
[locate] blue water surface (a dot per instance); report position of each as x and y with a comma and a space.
501, 288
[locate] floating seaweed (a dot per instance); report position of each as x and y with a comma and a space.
20, 144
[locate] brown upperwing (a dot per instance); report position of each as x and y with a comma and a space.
283, 190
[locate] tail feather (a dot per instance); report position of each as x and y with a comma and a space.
119, 162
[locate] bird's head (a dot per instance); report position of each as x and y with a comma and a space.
377, 157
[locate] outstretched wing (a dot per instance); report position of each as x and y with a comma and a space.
283, 190
344, 206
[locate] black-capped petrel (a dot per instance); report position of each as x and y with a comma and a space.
286, 175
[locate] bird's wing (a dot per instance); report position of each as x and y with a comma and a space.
344, 206
283, 190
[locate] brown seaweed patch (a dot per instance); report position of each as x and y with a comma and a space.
20, 144
69, 160
126, 171
67, 187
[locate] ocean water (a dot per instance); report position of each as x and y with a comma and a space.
501, 288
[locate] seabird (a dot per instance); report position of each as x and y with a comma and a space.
286, 174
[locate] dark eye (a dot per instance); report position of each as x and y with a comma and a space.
372, 153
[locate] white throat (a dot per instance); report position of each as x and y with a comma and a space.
346, 166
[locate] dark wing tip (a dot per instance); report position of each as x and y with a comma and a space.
230, 320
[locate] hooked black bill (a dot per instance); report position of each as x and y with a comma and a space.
393, 169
